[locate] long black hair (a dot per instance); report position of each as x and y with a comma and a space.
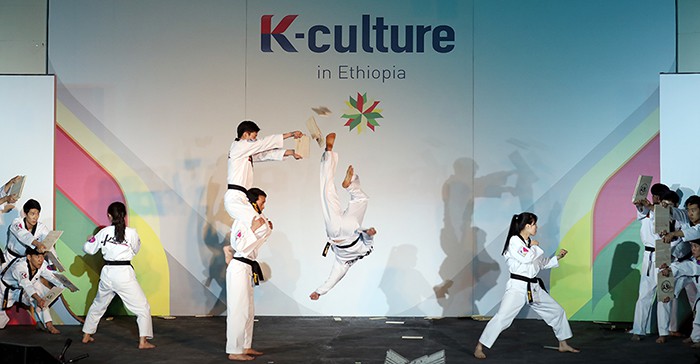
517, 224
118, 212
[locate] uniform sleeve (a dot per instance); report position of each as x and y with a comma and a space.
269, 155
134, 241
520, 252
691, 232
549, 263
679, 215
94, 244
246, 244
685, 268
643, 213
244, 149
23, 235
41, 232
19, 272
49, 276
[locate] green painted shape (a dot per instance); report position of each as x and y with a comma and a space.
615, 280
82, 269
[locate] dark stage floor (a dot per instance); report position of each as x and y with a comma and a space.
350, 340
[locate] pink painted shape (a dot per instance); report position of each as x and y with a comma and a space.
82, 180
613, 210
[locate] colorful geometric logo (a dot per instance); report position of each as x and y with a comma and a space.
358, 116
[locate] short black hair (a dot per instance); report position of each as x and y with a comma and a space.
254, 193
32, 251
692, 200
671, 196
247, 126
694, 241
31, 204
659, 189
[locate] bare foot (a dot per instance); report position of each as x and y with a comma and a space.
144, 344
87, 338
695, 345
565, 348
251, 351
52, 329
314, 296
661, 340
240, 357
479, 351
676, 334
687, 341
330, 140
636, 337
348, 176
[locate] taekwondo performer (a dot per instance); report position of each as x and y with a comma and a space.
641, 324
242, 272
119, 244
689, 268
26, 232
245, 150
525, 259
348, 240
20, 283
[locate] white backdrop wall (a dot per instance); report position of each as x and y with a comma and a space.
525, 104
27, 120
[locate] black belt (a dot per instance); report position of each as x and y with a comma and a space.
529, 281
238, 188
328, 245
650, 250
117, 262
257, 271
14, 253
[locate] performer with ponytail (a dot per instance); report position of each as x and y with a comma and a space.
525, 259
119, 244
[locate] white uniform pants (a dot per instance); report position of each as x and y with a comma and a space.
121, 280
647, 292
340, 223
513, 300
667, 313
240, 310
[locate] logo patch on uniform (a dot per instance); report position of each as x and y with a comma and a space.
239, 234
523, 251
24, 275
92, 239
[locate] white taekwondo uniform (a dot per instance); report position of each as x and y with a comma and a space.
18, 285
19, 238
347, 238
240, 309
241, 156
691, 269
526, 262
680, 250
649, 274
118, 277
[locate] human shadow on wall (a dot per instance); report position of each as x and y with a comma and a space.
458, 238
623, 282
213, 241
402, 282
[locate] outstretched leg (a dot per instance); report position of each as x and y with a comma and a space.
330, 203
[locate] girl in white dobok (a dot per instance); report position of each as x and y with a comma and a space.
119, 244
525, 259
